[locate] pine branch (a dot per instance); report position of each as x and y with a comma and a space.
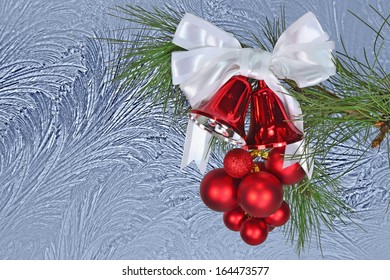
315, 203
384, 129
148, 61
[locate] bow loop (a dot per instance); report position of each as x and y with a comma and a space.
194, 32
303, 53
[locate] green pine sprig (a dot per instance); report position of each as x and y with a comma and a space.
314, 203
148, 60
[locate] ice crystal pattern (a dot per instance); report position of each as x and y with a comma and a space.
89, 171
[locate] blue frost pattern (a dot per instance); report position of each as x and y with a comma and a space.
90, 171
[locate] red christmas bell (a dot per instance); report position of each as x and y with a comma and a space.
224, 114
269, 126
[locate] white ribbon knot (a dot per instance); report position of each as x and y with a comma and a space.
213, 56
254, 63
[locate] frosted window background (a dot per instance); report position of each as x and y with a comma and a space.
89, 172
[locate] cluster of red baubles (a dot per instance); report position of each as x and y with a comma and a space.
250, 193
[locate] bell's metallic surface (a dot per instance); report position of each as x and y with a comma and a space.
224, 114
269, 126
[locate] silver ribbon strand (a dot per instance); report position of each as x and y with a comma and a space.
213, 56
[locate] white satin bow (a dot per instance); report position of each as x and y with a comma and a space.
213, 56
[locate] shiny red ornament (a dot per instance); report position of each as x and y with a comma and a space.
234, 218
219, 191
280, 217
269, 125
237, 163
224, 114
270, 228
254, 231
289, 175
260, 194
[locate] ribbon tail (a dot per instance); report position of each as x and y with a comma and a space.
299, 154
196, 147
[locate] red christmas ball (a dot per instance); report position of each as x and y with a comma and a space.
238, 163
219, 191
270, 228
234, 218
289, 175
254, 231
280, 217
260, 194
